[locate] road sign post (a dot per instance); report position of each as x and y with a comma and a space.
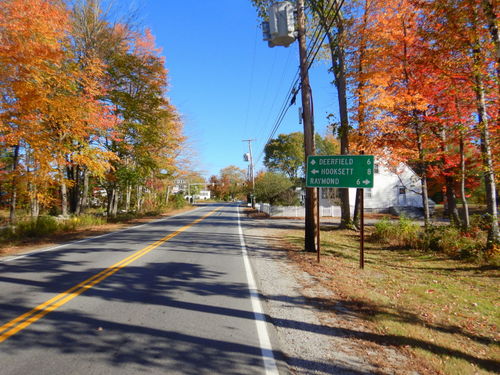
341, 171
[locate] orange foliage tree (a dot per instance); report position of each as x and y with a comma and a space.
81, 98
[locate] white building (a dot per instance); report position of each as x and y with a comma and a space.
393, 192
396, 191
203, 195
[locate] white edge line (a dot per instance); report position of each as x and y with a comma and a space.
260, 321
6, 260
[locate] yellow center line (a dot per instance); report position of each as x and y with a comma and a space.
21, 322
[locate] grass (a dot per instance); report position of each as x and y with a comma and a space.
445, 311
47, 230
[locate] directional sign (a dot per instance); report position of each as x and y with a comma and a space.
346, 171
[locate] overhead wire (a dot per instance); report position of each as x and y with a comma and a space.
293, 90
313, 50
251, 81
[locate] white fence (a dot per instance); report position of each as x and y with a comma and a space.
295, 211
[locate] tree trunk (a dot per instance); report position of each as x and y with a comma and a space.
465, 206
357, 208
139, 198
167, 195
128, 195
115, 202
338, 69
64, 192
73, 193
13, 198
34, 203
449, 181
84, 199
112, 206
489, 172
491, 17
452, 200
423, 176
489, 175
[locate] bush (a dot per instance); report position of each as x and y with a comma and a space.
69, 225
34, 228
403, 233
7, 234
153, 212
452, 241
383, 229
287, 198
126, 216
90, 221
177, 201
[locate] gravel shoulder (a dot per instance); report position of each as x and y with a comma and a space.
317, 332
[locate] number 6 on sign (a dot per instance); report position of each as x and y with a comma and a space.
358, 182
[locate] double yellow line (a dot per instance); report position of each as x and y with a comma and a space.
21, 322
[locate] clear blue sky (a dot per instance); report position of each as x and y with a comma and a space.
225, 81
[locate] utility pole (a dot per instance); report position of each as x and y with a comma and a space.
307, 114
252, 176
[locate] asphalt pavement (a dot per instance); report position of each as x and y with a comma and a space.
174, 296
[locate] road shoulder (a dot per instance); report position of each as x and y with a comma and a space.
315, 331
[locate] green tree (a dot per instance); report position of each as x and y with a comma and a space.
148, 135
327, 145
273, 188
286, 154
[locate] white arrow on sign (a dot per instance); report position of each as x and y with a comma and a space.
366, 182
314, 171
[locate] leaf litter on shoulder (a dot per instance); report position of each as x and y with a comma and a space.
442, 311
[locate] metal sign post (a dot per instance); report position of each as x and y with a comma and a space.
362, 232
318, 229
342, 171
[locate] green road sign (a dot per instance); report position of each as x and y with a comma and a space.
346, 171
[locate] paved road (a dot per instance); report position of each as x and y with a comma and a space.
168, 297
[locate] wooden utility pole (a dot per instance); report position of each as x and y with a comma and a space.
252, 175
307, 114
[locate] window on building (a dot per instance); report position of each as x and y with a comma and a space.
375, 168
368, 193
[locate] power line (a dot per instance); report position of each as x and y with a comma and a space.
334, 18
313, 51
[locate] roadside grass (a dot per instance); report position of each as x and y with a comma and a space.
48, 230
445, 311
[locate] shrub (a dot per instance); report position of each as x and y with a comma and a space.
7, 234
90, 221
34, 228
68, 225
383, 229
126, 216
177, 201
452, 241
403, 233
